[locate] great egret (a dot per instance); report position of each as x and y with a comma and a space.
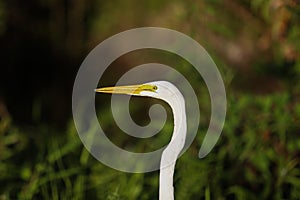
169, 93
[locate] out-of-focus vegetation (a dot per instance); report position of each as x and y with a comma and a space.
256, 45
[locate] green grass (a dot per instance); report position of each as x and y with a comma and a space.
257, 157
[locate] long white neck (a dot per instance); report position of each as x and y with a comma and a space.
172, 151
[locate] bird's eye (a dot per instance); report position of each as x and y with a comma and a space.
154, 87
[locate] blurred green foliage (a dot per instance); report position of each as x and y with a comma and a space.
255, 44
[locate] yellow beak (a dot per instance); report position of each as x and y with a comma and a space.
130, 89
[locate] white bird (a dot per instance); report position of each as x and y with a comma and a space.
169, 93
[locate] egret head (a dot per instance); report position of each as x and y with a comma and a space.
157, 89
